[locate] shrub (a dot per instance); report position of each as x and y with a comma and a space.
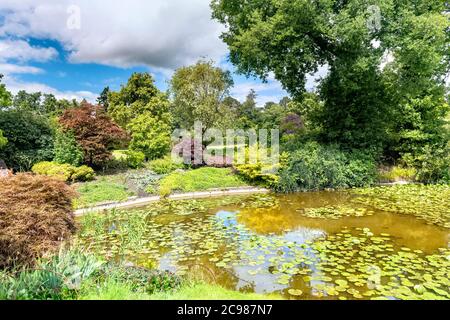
317, 167
35, 216
396, 174
64, 172
128, 158
30, 139
3, 140
164, 165
83, 173
143, 182
94, 131
257, 173
66, 149
432, 163
199, 180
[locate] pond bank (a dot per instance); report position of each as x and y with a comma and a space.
140, 202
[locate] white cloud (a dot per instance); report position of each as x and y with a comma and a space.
8, 68
159, 33
14, 85
22, 51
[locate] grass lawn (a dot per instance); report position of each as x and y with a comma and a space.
199, 291
200, 180
104, 189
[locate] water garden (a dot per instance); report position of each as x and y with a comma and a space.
355, 112
374, 243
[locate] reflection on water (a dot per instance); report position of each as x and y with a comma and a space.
275, 249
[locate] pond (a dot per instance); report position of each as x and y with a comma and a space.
317, 245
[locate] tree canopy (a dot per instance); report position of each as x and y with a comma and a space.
198, 93
381, 55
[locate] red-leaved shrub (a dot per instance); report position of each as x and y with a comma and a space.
35, 216
94, 131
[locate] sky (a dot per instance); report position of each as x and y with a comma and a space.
75, 48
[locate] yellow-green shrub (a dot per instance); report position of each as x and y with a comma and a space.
397, 174
83, 173
64, 172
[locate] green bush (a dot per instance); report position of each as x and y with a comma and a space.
431, 162
64, 172
83, 173
317, 167
164, 165
66, 149
3, 140
199, 180
128, 159
397, 174
30, 139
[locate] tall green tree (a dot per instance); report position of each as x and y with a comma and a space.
198, 93
143, 110
5, 95
381, 54
103, 98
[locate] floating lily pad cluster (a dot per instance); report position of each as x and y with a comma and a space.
304, 263
336, 212
430, 203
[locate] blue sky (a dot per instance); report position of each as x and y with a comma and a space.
75, 48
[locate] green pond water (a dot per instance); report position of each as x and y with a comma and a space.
318, 245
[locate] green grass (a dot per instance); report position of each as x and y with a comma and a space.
202, 291
102, 190
111, 290
200, 180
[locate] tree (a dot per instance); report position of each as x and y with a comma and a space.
94, 131
198, 93
103, 98
141, 109
28, 101
5, 95
249, 116
30, 139
3, 140
380, 57
67, 150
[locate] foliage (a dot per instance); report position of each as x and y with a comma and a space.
129, 158
36, 215
199, 180
397, 173
364, 90
141, 109
102, 100
431, 162
317, 167
143, 182
198, 92
54, 278
150, 134
64, 172
255, 173
5, 95
30, 139
66, 149
100, 191
42, 104
3, 140
94, 131
164, 165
